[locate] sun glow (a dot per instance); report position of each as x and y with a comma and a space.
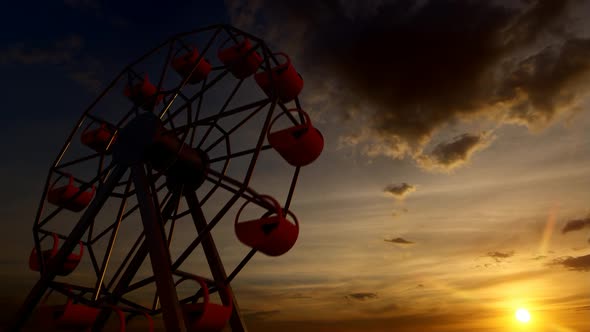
522, 315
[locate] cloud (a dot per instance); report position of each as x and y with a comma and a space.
83, 4
576, 225
399, 212
87, 79
261, 315
361, 296
493, 280
400, 190
498, 256
399, 240
581, 263
449, 155
547, 82
66, 52
60, 52
405, 69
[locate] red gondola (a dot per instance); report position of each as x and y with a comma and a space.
73, 316
149, 318
144, 94
98, 139
272, 235
68, 316
63, 196
286, 79
242, 62
185, 64
207, 316
299, 145
69, 265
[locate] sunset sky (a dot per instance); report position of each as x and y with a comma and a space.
454, 185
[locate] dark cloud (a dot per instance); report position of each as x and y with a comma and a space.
581, 263
498, 256
361, 296
83, 4
299, 296
88, 79
411, 68
400, 190
65, 53
60, 52
544, 83
399, 212
576, 225
449, 155
260, 315
399, 240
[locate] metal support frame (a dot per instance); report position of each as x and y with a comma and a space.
122, 286
153, 240
158, 250
50, 272
215, 264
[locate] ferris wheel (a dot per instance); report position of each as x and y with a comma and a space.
178, 135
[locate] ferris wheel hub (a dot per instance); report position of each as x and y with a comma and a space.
189, 171
144, 139
136, 139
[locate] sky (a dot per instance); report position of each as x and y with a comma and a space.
453, 187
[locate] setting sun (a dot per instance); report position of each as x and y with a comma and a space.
523, 315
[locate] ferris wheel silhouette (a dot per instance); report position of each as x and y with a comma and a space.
153, 147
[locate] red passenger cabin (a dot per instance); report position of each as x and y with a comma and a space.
74, 316
241, 60
284, 78
273, 234
207, 316
148, 317
69, 196
144, 94
192, 66
98, 139
68, 266
299, 145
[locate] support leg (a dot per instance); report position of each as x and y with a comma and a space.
158, 249
132, 269
236, 322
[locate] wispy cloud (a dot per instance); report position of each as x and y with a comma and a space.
399, 212
83, 4
61, 52
499, 256
361, 296
261, 315
490, 281
66, 53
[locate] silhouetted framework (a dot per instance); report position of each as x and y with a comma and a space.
156, 148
